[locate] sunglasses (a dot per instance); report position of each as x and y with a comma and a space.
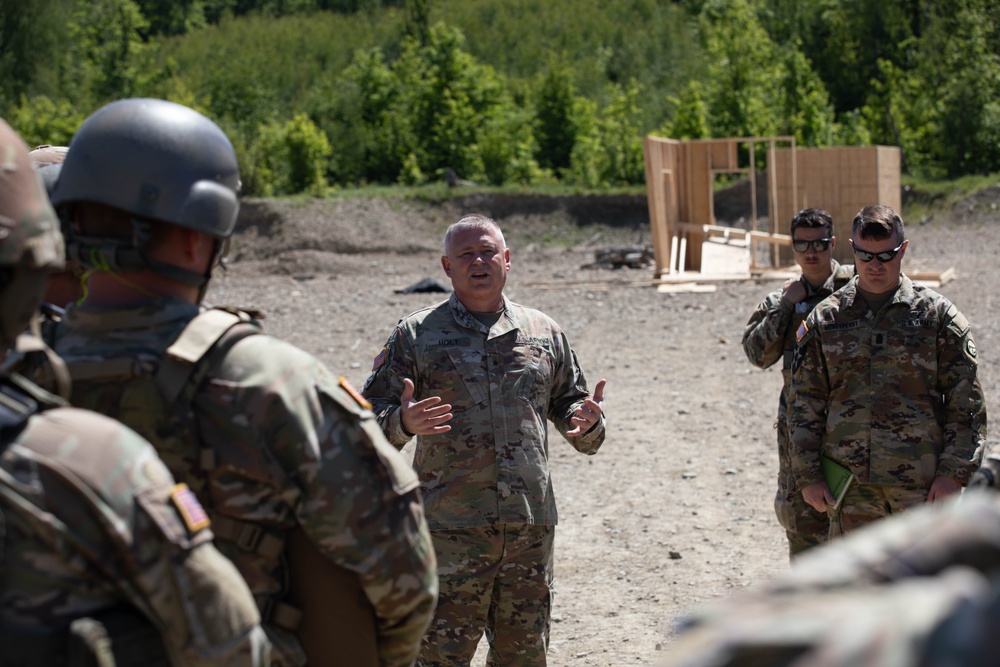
885, 256
819, 245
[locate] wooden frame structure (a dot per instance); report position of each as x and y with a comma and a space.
680, 180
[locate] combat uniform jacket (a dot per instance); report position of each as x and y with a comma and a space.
502, 382
92, 521
770, 333
891, 395
287, 447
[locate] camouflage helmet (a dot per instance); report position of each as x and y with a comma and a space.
29, 230
157, 160
31, 245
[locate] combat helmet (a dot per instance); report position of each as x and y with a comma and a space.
158, 161
31, 245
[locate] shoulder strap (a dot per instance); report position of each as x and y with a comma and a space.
181, 360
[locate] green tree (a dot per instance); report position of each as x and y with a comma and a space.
691, 116
744, 70
555, 130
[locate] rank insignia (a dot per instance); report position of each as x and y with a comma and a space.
355, 394
189, 508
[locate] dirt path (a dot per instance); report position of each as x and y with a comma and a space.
676, 508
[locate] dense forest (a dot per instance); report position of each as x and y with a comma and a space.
325, 93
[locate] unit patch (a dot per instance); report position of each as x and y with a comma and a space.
189, 508
355, 394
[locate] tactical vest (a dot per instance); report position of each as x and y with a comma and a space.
113, 638
156, 397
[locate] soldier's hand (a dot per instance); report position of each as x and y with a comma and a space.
589, 412
942, 487
818, 496
425, 417
794, 291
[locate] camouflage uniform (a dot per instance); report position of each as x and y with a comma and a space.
769, 336
921, 588
95, 522
289, 447
97, 542
892, 396
486, 481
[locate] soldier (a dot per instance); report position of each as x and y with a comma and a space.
319, 513
490, 373
101, 554
884, 383
919, 588
770, 336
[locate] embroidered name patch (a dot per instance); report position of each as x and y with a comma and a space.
189, 508
448, 342
840, 326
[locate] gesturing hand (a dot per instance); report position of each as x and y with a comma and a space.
424, 417
589, 412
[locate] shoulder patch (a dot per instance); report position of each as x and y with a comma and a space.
380, 359
970, 347
801, 332
189, 508
355, 394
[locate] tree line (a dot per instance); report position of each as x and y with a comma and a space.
321, 93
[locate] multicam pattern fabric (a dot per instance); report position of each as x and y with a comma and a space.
893, 396
502, 382
29, 229
93, 523
769, 337
290, 448
920, 588
514, 558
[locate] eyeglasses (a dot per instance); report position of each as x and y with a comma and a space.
819, 245
885, 256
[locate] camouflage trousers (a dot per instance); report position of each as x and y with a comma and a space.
496, 579
805, 527
865, 503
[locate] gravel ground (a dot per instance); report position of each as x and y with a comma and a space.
676, 508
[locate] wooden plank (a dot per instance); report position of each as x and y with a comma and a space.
685, 287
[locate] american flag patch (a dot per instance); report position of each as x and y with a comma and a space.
189, 508
801, 332
379, 359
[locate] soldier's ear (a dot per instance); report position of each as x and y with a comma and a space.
833, 241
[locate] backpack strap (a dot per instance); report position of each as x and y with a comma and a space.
181, 361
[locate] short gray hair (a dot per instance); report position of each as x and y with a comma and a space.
473, 221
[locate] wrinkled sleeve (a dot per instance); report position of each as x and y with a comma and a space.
962, 398
163, 563
360, 503
764, 334
384, 386
569, 390
808, 402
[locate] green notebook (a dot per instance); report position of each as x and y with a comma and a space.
838, 478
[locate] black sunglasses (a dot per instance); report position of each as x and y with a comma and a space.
819, 245
885, 256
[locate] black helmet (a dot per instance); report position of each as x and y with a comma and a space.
31, 245
158, 161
